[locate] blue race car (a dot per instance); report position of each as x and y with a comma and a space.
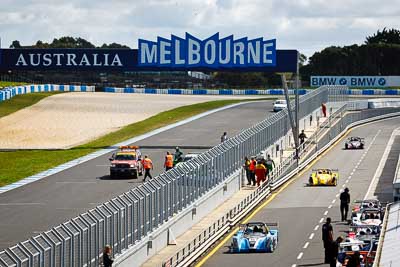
255, 237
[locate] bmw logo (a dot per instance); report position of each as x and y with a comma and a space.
343, 81
382, 81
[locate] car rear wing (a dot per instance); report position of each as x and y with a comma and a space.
272, 224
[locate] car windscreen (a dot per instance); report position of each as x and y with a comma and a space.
280, 102
125, 157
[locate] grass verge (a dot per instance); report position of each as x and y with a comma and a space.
22, 101
8, 84
16, 165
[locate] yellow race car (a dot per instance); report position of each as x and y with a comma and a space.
324, 177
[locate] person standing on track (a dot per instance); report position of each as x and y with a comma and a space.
335, 251
344, 204
270, 164
224, 137
169, 161
246, 167
147, 166
323, 107
107, 257
260, 172
252, 168
327, 238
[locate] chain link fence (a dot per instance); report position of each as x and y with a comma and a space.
126, 219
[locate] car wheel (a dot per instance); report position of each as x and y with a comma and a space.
272, 246
362, 147
135, 174
334, 182
112, 175
310, 181
346, 146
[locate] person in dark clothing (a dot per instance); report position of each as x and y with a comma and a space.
334, 251
246, 167
327, 238
107, 259
354, 260
302, 136
344, 204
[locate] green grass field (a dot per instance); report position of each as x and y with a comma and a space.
22, 101
16, 165
8, 84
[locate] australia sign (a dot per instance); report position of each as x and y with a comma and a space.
176, 53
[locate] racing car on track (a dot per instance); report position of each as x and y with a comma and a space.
354, 143
255, 237
324, 177
126, 162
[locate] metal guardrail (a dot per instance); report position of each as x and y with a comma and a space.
337, 122
126, 219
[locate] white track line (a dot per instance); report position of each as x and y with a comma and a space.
321, 220
300, 255
316, 227
325, 213
306, 244
311, 236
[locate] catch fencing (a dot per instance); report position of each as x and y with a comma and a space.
128, 218
319, 141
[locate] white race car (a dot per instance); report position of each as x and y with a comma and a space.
279, 104
368, 216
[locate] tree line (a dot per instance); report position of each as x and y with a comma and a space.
67, 42
379, 55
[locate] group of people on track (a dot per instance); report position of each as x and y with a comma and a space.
259, 170
331, 246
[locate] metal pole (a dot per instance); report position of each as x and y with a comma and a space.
297, 108
292, 123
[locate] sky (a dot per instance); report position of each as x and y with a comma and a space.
305, 25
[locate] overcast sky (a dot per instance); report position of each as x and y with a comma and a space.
305, 25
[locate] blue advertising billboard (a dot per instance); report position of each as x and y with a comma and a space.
355, 81
189, 53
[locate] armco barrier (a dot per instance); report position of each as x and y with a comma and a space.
9, 92
131, 90
130, 221
338, 124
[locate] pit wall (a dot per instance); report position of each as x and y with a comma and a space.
9, 92
131, 90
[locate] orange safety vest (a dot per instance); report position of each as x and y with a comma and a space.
147, 163
169, 161
252, 165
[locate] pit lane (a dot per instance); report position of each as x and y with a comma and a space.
301, 210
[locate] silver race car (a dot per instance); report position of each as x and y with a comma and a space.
354, 143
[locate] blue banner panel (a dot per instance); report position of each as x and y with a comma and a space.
127, 60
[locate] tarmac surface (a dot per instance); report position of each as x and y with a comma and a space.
41, 205
301, 210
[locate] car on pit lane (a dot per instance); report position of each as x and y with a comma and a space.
126, 162
354, 143
366, 203
255, 237
367, 216
323, 177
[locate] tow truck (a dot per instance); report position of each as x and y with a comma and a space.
126, 162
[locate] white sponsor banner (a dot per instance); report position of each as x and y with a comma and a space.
356, 81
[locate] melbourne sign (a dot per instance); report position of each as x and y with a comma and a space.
186, 54
356, 81
212, 52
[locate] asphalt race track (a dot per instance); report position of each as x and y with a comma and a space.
41, 205
300, 210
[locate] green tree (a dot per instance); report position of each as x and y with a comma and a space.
385, 36
15, 44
